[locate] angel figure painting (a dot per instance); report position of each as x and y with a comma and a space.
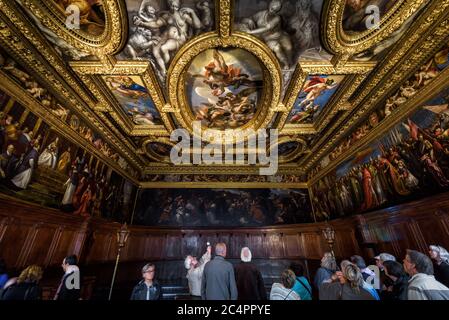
134, 98
224, 87
314, 96
92, 17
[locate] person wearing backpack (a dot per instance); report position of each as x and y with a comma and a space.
301, 286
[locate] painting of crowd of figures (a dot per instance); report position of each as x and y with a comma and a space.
409, 161
222, 207
39, 165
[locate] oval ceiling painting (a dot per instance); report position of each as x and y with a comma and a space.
224, 87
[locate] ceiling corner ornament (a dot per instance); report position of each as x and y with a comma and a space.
348, 36
210, 48
106, 39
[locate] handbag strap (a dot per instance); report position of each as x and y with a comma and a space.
288, 294
304, 285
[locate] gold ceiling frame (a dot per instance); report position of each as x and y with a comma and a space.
412, 105
355, 73
103, 46
291, 156
178, 69
344, 45
92, 73
153, 155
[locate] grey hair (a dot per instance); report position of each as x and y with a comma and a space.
329, 261
422, 263
352, 273
387, 257
442, 253
245, 258
146, 267
220, 249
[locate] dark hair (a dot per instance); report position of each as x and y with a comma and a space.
297, 268
288, 278
358, 261
71, 260
2, 266
422, 263
394, 268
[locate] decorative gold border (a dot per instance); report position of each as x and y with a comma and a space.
180, 63
300, 149
355, 73
153, 155
108, 43
337, 41
92, 72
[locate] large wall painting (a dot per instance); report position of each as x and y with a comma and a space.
411, 160
40, 165
222, 207
224, 87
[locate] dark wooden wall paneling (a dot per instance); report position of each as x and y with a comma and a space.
30, 234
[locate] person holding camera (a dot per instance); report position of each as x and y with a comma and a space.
195, 270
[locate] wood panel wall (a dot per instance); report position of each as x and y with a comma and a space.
31, 234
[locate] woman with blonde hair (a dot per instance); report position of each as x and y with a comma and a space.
284, 290
327, 269
347, 284
26, 286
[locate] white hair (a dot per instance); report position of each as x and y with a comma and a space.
245, 254
188, 262
443, 254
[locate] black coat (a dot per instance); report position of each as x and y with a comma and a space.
441, 272
68, 293
249, 282
140, 291
399, 291
22, 291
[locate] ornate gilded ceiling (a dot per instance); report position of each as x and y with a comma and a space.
135, 70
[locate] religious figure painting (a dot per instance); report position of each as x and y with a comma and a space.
358, 14
410, 161
314, 96
224, 87
39, 165
134, 98
92, 16
158, 29
222, 207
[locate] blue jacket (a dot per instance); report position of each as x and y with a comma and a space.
303, 288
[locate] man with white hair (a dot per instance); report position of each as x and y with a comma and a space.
195, 272
218, 281
249, 280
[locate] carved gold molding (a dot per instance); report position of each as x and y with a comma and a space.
344, 44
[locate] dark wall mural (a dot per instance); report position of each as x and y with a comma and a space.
410, 161
222, 207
